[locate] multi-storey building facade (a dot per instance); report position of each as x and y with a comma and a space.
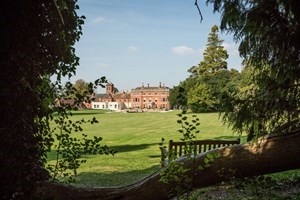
139, 98
150, 97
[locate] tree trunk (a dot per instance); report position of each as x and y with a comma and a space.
274, 153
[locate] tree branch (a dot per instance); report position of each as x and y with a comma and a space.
196, 4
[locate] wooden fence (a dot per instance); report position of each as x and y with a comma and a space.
196, 147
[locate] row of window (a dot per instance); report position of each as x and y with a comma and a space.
150, 106
149, 100
144, 93
105, 106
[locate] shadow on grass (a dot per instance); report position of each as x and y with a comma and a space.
131, 147
86, 112
113, 178
120, 149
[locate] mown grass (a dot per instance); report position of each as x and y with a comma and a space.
135, 136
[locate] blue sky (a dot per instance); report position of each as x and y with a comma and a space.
145, 41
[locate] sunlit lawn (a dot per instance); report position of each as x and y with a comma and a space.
135, 136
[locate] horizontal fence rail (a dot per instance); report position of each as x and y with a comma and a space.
199, 146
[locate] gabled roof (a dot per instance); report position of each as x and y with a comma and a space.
102, 96
122, 95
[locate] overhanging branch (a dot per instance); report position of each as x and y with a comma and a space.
196, 4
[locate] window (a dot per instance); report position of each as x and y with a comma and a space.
115, 105
103, 106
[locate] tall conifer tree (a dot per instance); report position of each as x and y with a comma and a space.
204, 96
214, 56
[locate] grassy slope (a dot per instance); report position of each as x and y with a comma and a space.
135, 136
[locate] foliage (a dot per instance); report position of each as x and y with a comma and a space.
259, 187
202, 91
273, 103
212, 79
214, 56
37, 46
177, 173
177, 97
210, 95
178, 94
200, 99
37, 41
69, 149
81, 87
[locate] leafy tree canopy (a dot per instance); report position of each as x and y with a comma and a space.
268, 32
211, 77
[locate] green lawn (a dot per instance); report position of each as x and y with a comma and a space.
135, 136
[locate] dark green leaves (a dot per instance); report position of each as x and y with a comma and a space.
273, 59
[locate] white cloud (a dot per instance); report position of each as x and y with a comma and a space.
132, 48
99, 20
183, 50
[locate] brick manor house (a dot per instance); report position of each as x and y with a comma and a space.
140, 98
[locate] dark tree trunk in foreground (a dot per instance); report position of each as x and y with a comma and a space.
275, 153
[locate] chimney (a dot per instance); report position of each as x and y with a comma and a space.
148, 84
160, 84
142, 85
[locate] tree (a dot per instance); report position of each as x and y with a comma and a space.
200, 99
209, 95
214, 56
176, 97
211, 76
81, 86
37, 40
273, 103
79, 89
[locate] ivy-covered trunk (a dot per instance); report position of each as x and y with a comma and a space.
36, 42
21, 165
274, 153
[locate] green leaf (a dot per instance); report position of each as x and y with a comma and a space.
206, 160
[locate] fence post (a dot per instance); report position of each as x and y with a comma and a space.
170, 148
